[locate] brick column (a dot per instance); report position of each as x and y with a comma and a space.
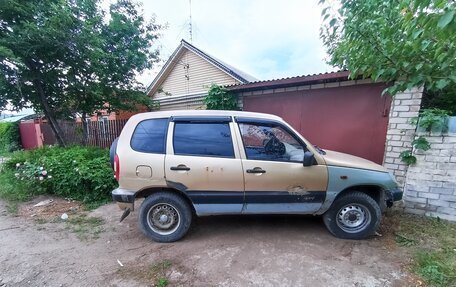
404, 107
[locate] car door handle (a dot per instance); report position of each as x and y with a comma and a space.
180, 167
256, 170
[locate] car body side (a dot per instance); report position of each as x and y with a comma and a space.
142, 174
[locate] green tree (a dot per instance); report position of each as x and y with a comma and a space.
68, 57
219, 98
408, 42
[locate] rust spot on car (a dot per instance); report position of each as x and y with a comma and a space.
298, 190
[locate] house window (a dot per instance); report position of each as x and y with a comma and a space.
203, 139
104, 126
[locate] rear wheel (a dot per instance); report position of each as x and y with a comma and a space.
355, 215
165, 217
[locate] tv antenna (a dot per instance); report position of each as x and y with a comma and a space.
190, 30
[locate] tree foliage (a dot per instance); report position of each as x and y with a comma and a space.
442, 99
409, 42
64, 57
219, 98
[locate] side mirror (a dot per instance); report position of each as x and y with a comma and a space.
309, 159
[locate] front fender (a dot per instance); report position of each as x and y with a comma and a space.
342, 178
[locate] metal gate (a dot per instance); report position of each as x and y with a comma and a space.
30, 134
351, 119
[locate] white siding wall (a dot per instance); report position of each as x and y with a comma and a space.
201, 74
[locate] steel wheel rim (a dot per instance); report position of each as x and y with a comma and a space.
163, 218
353, 218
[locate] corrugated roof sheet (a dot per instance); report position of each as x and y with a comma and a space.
16, 118
292, 81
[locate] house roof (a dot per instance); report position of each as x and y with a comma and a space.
17, 118
230, 70
291, 81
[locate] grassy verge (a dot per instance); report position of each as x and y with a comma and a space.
432, 243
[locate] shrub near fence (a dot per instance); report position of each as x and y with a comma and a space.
81, 173
9, 137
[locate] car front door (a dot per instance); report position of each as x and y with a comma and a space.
276, 181
202, 162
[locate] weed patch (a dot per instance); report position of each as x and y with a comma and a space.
404, 241
155, 274
158, 271
14, 191
437, 267
85, 227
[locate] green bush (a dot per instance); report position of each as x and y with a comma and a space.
10, 139
80, 173
219, 98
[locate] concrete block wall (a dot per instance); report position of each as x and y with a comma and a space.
430, 185
404, 107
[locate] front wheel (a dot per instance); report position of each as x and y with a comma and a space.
165, 217
355, 215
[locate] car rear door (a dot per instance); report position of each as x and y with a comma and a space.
202, 162
276, 181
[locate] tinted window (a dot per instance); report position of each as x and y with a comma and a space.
270, 142
150, 136
207, 139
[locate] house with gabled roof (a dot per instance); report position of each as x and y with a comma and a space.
186, 77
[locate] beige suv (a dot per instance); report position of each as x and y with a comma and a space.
187, 163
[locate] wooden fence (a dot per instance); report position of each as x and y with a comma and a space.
100, 133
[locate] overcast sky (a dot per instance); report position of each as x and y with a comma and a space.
265, 38
268, 39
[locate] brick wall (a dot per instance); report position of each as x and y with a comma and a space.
430, 186
399, 137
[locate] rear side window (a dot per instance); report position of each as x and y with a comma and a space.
150, 136
203, 139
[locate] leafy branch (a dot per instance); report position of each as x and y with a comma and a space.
429, 119
219, 98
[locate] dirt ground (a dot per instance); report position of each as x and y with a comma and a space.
218, 251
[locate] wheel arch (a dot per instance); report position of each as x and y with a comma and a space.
151, 190
376, 192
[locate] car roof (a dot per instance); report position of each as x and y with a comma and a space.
165, 114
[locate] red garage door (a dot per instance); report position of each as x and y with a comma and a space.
351, 119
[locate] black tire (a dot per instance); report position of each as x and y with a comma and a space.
354, 215
170, 205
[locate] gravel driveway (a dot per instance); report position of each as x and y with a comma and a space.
218, 251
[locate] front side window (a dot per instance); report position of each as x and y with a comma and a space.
204, 139
270, 142
150, 136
